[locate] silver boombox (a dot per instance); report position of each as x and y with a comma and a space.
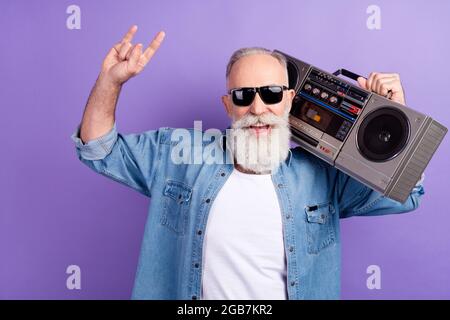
379, 142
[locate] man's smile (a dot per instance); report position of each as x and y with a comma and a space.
260, 129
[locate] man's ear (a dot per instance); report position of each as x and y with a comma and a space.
228, 105
291, 95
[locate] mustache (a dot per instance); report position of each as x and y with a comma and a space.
263, 119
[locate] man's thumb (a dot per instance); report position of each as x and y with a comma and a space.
362, 82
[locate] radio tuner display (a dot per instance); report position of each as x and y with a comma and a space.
328, 104
321, 118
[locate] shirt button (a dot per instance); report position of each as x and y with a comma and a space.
222, 174
196, 265
291, 249
208, 200
292, 283
199, 232
288, 216
194, 297
280, 185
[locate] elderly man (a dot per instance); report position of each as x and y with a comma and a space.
264, 225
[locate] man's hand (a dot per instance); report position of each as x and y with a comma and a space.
126, 60
123, 61
382, 83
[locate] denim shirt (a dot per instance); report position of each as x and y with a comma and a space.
312, 194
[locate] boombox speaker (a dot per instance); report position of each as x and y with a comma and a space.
379, 142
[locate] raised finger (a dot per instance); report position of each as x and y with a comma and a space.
129, 35
154, 45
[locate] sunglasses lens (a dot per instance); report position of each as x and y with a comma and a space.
271, 94
243, 97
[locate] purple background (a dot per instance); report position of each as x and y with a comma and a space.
55, 212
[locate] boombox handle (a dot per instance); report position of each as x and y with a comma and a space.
347, 74
355, 77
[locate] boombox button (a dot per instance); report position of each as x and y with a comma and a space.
333, 99
326, 150
354, 109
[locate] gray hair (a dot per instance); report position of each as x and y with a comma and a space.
254, 50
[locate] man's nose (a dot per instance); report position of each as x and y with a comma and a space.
258, 106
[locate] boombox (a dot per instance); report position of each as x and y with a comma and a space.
379, 142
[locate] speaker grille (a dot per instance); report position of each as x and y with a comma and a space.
416, 165
383, 134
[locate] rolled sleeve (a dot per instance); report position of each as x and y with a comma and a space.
131, 159
357, 199
98, 148
420, 181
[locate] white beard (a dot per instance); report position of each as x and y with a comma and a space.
260, 153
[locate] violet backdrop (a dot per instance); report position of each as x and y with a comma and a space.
55, 211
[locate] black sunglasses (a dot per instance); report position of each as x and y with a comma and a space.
243, 97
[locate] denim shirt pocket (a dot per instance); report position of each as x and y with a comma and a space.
319, 226
176, 201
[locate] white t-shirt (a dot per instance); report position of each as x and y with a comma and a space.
244, 255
